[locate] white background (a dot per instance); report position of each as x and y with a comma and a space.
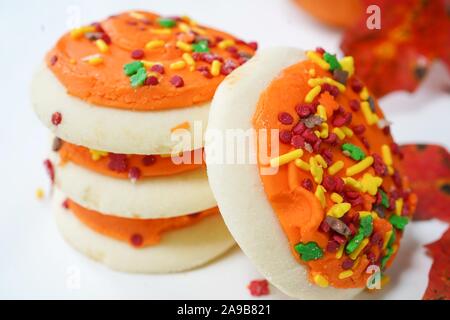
34, 260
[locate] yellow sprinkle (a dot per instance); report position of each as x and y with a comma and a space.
340, 252
149, 64
324, 132
360, 166
364, 94
224, 44
198, 30
339, 209
94, 59
97, 155
312, 94
347, 64
345, 274
81, 31
161, 31
184, 46
363, 214
394, 248
321, 112
347, 131
40, 193
319, 81
317, 133
355, 184
358, 250
155, 44
314, 57
320, 280
316, 170
336, 197
177, 65
321, 161
370, 117
371, 183
137, 15
356, 263
336, 167
320, 194
184, 27
386, 154
302, 164
312, 72
286, 158
398, 206
215, 68
188, 58
390, 170
339, 133
101, 45
387, 237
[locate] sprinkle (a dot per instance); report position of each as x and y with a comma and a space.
155, 44
320, 280
324, 133
56, 118
188, 59
184, 27
299, 163
81, 31
347, 64
316, 170
347, 131
137, 54
97, 155
354, 243
184, 46
136, 240
167, 22
138, 79
201, 46
370, 117
359, 167
398, 206
40, 193
358, 250
388, 236
321, 112
336, 197
340, 76
314, 57
312, 94
224, 44
151, 80
340, 252
185, 125
101, 45
339, 133
332, 61
161, 31
286, 158
94, 60
399, 222
320, 194
285, 118
319, 81
386, 154
366, 225
336, 167
364, 95
339, 209
353, 151
371, 183
177, 81
215, 68
353, 184
321, 161
131, 68
309, 251
178, 65
345, 274
259, 288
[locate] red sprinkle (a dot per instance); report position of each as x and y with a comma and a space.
137, 54
329, 183
259, 288
307, 184
253, 45
53, 60
228, 67
339, 185
65, 204
148, 160
354, 105
285, 136
333, 90
204, 70
303, 110
359, 129
151, 81
285, 118
342, 119
134, 174
309, 136
332, 246
327, 155
299, 128
136, 240
379, 165
56, 118
324, 226
339, 238
356, 85
332, 139
177, 81
50, 169
320, 50
347, 264
158, 68
118, 162
297, 141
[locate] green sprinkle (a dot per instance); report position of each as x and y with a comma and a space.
167, 22
139, 78
386, 258
354, 242
391, 240
398, 222
353, 151
332, 61
384, 198
309, 251
366, 226
131, 68
201, 46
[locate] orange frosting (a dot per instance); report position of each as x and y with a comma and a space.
105, 83
299, 211
160, 165
137, 232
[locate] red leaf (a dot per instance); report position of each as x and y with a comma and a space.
439, 277
396, 57
428, 170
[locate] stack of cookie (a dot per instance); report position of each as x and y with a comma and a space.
123, 98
